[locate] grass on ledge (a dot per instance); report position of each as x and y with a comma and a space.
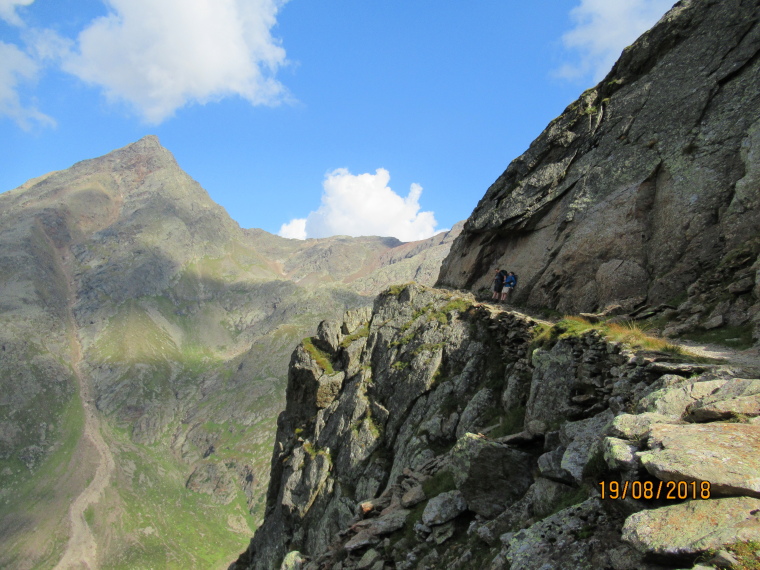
628, 333
321, 358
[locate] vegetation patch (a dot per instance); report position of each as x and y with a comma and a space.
734, 337
745, 553
362, 332
314, 451
396, 290
321, 358
441, 482
569, 499
428, 347
629, 333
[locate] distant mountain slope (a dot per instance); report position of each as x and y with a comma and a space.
136, 313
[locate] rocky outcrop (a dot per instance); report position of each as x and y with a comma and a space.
647, 185
380, 470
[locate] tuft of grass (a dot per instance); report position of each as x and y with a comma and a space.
360, 333
396, 290
314, 451
569, 499
399, 365
321, 358
630, 333
745, 553
441, 482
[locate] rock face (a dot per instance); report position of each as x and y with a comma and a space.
381, 469
122, 272
648, 184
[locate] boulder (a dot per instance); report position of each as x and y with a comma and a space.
635, 426
479, 403
443, 508
551, 387
724, 454
580, 437
413, 496
550, 466
673, 400
490, 475
736, 396
369, 531
620, 454
686, 529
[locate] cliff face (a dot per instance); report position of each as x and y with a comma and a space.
134, 307
436, 432
644, 185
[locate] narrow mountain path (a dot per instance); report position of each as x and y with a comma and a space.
81, 550
747, 360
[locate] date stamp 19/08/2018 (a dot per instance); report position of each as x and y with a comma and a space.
669, 490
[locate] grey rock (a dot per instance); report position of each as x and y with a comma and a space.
724, 559
479, 403
694, 526
736, 397
636, 426
674, 400
441, 533
369, 559
723, 454
620, 454
489, 475
413, 496
550, 466
444, 507
362, 539
580, 437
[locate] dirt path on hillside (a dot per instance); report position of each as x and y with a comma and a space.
82, 550
747, 360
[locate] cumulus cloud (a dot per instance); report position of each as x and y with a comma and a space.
16, 67
602, 29
364, 205
8, 11
159, 55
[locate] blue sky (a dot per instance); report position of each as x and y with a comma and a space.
306, 117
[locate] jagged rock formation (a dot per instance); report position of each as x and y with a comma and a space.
647, 185
126, 286
433, 433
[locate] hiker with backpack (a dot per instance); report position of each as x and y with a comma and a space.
498, 284
510, 282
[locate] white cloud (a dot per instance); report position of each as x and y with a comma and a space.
17, 67
159, 55
294, 229
8, 11
602, 29
364, 205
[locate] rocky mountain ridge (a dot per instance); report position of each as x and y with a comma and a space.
435, 433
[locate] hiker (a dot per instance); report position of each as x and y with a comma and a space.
510, 282
498, 284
